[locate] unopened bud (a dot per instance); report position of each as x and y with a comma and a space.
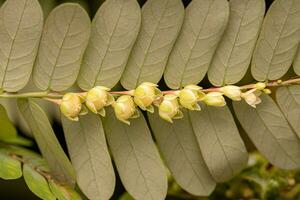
214, 99
232, 92
267, 91
145, 95
189, 97
260, 86
125, 109
252, 97
169, 108
71, 106
97, 98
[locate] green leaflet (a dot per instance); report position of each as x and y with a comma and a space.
221, 145
7, 130
179, 147
161, 23
37, 183
21, 23
63, 43
137, 159
288, 99
9, 168
48, 144
234, 52
126, 196
90, 157
278, 41
270, 132
63, 192
114, 30
203, 26
297, 62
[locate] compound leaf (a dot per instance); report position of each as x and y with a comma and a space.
288, 99
270, 132
90, 157
233, 55
51, 150
278, 41
114, 30
203, 26
21, 23
221, 145
65, 37
137, 159
179, 147
161, 23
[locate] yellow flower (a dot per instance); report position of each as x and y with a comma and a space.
232, 92
252, 97
189, 97
71, 106
145, 94
125, 109
97, 98
214, 99
169, 108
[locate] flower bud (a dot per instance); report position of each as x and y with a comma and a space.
145, 94
252, 97
125, 109
260, 86
169, 108
267, 91
97, 98
214, 99
71, 106
232, 92
189, 97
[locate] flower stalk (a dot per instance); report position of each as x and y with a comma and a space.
147, 96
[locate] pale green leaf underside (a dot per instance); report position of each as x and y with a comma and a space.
7, 129
10, 168
64, 40
90, 157
63, 192
48, 144
221, 145
114, 30
270, 132
37, 183
203, 26
278, 41
161, 23
180, 150
296, 63
288, 99
21, 23
137, 159
233, 55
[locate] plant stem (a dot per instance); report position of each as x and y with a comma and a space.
53, 95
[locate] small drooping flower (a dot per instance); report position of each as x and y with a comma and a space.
232, 92
169, 108
145, 95
97, 98
214, 99
71, 106
252, 97
125, 109
189, 97
260, 86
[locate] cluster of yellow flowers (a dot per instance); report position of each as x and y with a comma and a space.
147, 95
